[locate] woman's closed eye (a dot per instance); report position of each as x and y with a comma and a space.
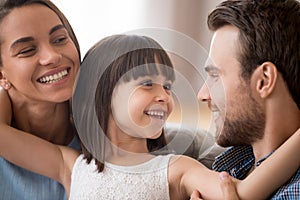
60, 40
26, 52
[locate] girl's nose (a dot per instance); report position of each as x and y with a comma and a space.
162, 94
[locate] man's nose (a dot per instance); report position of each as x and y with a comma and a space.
203, 94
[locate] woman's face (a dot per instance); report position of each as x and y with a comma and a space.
39, 58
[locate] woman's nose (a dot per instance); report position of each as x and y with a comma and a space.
49, 55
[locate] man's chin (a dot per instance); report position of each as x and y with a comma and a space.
220, 141
218, 137
223, 140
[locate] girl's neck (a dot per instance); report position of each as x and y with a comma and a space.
128, 158
122, 141
123, 149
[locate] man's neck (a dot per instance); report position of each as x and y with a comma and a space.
277, 130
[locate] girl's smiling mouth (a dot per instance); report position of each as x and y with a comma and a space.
159, 114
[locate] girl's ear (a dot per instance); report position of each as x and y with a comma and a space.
265, 77
5, 84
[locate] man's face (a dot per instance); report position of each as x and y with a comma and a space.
238, 117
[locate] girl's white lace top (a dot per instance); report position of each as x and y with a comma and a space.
148, 180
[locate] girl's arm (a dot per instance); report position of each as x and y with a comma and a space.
273, 172
260, 184
31, 152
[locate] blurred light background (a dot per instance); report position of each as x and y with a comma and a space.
93, 20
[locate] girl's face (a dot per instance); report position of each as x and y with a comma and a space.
141, 107
39, 58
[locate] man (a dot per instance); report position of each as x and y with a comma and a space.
254, 65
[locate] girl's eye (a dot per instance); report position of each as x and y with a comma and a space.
147, 83
168, 86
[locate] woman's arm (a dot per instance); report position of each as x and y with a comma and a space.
31, 152
260, 184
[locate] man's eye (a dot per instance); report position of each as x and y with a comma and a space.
213, 75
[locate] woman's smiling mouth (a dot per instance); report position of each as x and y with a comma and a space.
54, 77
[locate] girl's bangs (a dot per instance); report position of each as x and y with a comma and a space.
149, 62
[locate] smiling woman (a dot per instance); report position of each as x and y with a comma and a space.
25, 50
38, 66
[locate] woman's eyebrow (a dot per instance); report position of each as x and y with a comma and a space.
21, 40
55, 28
28, 39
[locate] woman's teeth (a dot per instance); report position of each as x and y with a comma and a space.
54, 77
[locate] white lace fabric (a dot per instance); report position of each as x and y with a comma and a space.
147, 181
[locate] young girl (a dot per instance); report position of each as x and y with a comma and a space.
125, 86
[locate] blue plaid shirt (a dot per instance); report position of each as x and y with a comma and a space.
238, 161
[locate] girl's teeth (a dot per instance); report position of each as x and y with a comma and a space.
156, 113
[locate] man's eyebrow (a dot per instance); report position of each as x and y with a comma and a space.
55, 28
210, 68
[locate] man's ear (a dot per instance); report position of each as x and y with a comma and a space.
4, 83
265, 77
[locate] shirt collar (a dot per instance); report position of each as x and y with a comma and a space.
237, 161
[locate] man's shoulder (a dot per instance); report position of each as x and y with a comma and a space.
290, 190
237, 161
